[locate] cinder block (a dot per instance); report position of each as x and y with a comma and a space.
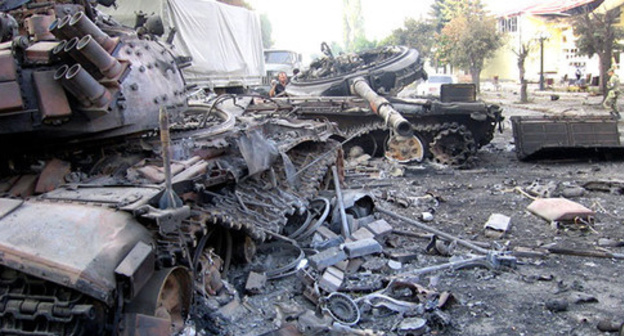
362, 247
326, 258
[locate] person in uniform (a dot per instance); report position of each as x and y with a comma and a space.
613, 85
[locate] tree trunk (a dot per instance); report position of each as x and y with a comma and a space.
524, 97
475, 73
605, 63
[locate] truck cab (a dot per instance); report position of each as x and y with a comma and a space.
278, 60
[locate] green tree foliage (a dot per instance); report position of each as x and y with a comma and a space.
469, 38
598, 35
443, 11
362, 44
437, 14
419, 35
267, 31
353, 23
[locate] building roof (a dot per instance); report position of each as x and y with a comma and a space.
555, 8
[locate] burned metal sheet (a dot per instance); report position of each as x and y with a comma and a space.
85, 260
534, 135
559, 209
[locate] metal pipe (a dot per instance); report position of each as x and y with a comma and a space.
107, 64
65, 29
53, 28
346, 232
84, 26
169, 199
541, 79
70, 49
434, 231
95, 92
60, 74
59, 51
381, 107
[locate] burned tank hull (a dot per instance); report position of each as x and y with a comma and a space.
106, 239
64, 76
449, 130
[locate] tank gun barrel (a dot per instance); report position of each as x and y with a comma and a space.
381, 106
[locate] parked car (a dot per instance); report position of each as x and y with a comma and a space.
431, 87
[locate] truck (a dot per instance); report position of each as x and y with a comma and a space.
278, 60
223, 41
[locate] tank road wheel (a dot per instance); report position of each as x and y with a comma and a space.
453, 145
405, 149
167, 295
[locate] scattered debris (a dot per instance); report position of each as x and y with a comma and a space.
497, 225
560, 210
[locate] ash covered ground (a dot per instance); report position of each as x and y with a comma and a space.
550, 292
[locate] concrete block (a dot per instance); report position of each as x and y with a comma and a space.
326, 258
255, 282
379, 228
342, 265
402, 257
354, 265
331, 280
362, 247
326, 233
362, 233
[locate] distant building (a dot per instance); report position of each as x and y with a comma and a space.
549, 21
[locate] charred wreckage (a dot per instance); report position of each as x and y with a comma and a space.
125, 203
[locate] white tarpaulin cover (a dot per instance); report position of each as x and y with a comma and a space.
225, 41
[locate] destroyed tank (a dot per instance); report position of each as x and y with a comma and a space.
448, 130
107, 228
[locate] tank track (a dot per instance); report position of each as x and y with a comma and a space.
257, 207
31, 306
449, 143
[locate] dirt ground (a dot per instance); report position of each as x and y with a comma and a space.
549, 294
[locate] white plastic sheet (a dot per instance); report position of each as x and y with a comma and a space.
225, 41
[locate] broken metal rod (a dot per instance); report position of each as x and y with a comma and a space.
585, 253
492, 261
475, 261
346, 232
442, 234
169, 199
430, 235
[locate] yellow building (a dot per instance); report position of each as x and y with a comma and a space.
545, 27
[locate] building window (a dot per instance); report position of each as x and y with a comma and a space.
513, 24
508, 25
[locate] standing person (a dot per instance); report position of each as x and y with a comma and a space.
578, 74
279, 87
613, 85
